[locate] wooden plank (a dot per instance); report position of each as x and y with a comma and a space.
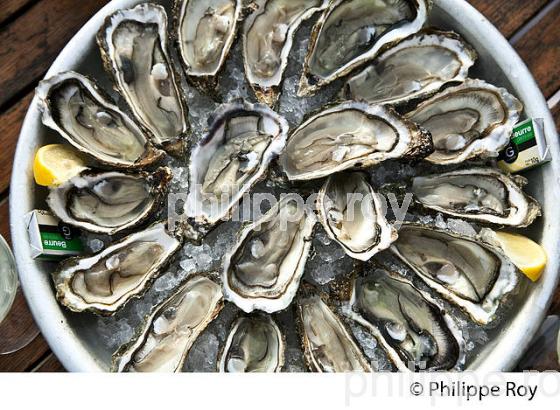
10, 126
508, 15
30, 43
25, 358
540, 48
10, 7
50, 365
556, 114
5, 221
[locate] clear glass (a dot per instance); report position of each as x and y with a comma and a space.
8, 279
17, 328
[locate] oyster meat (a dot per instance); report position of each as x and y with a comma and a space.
352, 214
133, 45
328, 346
351, 135
412, 329
267, 40
255, 344
471, 272
478, 194
474, 119
265, 267
415, 68
109, 202
105, 282
350, 33
171, 329
205, 31
231, 158
82, 113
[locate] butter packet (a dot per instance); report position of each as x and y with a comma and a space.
527, 148
49, 238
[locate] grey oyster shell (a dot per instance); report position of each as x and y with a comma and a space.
86, 117
327, 343
235, 154
474, 119
163, 343
264, 269
109, 202
105, 282
133, 44
204, 31
352, 214
470, 272
351, 135
350, 33
415, 68
255, 344
413, 330
484, 195
268, 35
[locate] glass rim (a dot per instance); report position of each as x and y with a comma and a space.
5, 248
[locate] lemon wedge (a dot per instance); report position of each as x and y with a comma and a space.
55, 164
527, 255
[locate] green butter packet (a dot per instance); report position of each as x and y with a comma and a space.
51, 239
527, 148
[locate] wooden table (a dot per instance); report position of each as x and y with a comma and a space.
32, 33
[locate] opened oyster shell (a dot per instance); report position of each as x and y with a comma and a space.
350, 33
474, 119
478, 194
105, 282
328, 345
86, 117
351, 135
231, 158
352, 214
471, 272
255, 344
171, 329
109, 202
267, 40
415, 333
265, 267
204, 31
133, 45
415, 68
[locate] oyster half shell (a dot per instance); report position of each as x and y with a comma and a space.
267, 40
351, 135
415, 333
231, 158
105, 282
328, 345
109, 202
352, 214
171, 329
483, 195
350, 33
254, 345
471, 272
204, 31
415, 68
474, 119
86, 117
133, 45
265, 267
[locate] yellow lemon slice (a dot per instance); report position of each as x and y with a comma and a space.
527, 255
55, 164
